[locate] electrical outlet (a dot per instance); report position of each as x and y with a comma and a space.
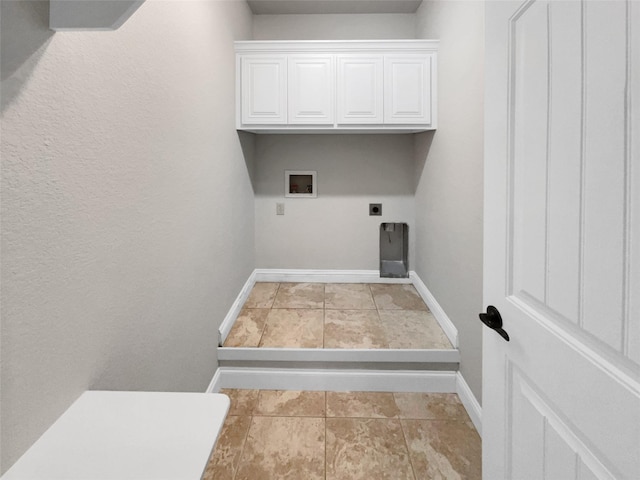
279, 208
375, 209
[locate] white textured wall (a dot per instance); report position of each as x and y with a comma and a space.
334, 27
334, 230
449, 193
127, 205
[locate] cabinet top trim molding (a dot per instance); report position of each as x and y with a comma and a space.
309, 46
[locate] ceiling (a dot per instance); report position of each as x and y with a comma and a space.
283, 7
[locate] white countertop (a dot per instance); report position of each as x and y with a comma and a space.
127, 436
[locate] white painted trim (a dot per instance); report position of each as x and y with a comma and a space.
333, 130
469, 401
214, 384
443, 319
337, 355
335, 380
350, 380
324, 276
234, 311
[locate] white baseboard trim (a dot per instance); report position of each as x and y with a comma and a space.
445, 322
337, 355
469, 401
350, 380
323, 276
234, 311
215, 383
333, 380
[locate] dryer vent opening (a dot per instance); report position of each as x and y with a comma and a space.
394, 248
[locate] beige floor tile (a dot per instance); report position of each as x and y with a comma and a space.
362, 405
413, 329
300, 295
287, 403
368, 449
293, 328
443, 450
396, 297
283, 448
226, 457
242, 401
262, 295
353, 329
434, 406
248, 327
348, 296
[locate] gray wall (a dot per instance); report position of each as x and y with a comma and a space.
449, 192
334, 27
127, 206
335, 230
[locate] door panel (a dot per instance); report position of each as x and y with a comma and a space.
544, 445
528, 160
311, 86
562, 398
407, 89
632, 328
605, 165
591, 399
564, 165
571, 195
264, 89
360, 93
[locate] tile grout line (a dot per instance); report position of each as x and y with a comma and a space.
244, 443
246, 436
324, 324
264, 327
325, 435
350, 417
406, 444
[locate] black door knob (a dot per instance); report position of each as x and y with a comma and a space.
493, 320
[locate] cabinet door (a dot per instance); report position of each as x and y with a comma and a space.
311, 87
408, 83
360, 94
264, 89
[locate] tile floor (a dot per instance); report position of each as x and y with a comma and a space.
317, 315
345, 435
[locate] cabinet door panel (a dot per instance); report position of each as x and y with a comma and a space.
311, 87
264, 89
407, 97
360, 93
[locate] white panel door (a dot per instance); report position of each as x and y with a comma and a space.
311, 87
264, 89
360, 89
561, 399
407, 89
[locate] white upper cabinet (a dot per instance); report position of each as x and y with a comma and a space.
264, 89
407, 82
360, 94
311, 90
328, 86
